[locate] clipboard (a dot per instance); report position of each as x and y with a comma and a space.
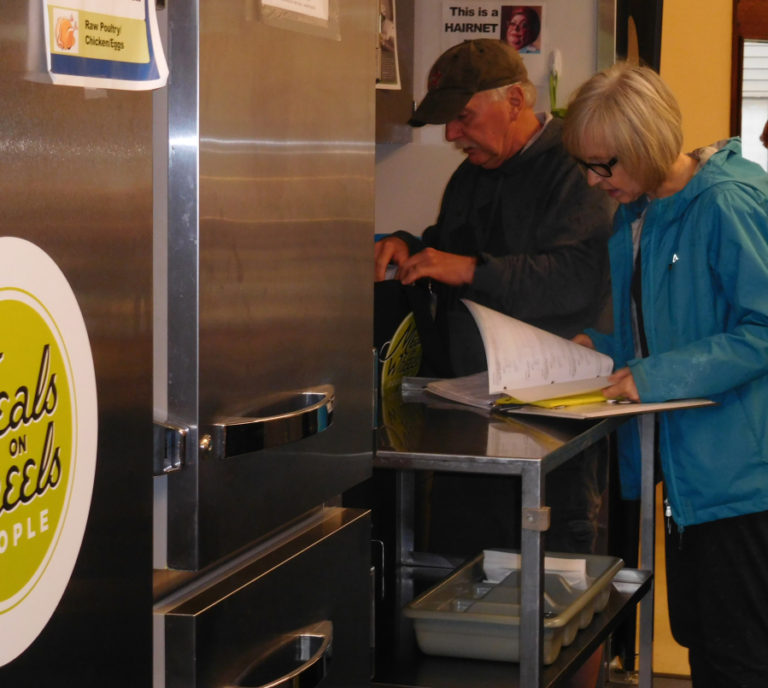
604, 409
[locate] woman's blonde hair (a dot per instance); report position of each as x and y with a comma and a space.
629, 112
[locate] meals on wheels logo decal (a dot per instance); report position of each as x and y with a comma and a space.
48, 429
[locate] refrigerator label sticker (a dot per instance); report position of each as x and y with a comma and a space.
311, 8
104, 44
48, 432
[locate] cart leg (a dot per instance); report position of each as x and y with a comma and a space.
647, 546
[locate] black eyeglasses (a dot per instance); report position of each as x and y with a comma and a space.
601, 169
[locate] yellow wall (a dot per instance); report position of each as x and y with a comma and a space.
696, 63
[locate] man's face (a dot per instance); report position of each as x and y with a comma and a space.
483, 130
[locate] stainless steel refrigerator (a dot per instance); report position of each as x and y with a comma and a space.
217, 236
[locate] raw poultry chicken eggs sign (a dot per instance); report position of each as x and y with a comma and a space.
104, 44
48, 431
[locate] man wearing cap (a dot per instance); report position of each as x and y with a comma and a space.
520, 231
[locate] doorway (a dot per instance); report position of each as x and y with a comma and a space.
749, 77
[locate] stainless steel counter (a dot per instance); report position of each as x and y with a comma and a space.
418, 432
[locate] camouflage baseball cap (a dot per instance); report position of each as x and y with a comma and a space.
462, 71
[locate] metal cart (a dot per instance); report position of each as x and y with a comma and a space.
419, 433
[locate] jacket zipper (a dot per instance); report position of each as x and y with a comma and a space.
668, 516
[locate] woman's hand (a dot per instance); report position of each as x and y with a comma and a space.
584, 340
622, 383
622, 386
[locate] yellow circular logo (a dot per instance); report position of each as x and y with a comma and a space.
36, 441
48, 437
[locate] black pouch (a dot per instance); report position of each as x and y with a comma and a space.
392, 303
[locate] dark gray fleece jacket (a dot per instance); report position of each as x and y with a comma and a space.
540, 235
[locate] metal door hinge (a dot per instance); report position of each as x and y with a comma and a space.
536, 518
170, 443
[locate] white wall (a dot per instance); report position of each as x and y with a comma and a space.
410, 178
754, 101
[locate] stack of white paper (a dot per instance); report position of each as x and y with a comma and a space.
497, 565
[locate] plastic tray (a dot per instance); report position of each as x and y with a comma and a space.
467, 616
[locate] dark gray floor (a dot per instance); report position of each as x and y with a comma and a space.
623, 681
658, 682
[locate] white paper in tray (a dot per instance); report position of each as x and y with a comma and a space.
497, 565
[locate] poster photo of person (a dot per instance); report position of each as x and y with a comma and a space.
521, 27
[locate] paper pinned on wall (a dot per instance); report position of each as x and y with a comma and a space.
519, 25
522, 26
104, 44
388, 76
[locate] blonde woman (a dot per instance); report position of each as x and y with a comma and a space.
689, 267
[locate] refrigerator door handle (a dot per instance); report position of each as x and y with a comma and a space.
292, 418
300, 660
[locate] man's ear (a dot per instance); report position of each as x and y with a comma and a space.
516, 98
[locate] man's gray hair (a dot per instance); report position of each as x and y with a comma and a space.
529, 91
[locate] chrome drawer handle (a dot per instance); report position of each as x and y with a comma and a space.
289, 419
300, 659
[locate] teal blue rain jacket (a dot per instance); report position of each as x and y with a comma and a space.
705, 308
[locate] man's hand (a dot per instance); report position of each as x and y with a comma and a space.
448, 268
388, 250
622, 386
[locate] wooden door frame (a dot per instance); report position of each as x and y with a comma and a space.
750, 22
647, 16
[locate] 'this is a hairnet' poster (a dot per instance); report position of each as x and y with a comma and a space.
518, 25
